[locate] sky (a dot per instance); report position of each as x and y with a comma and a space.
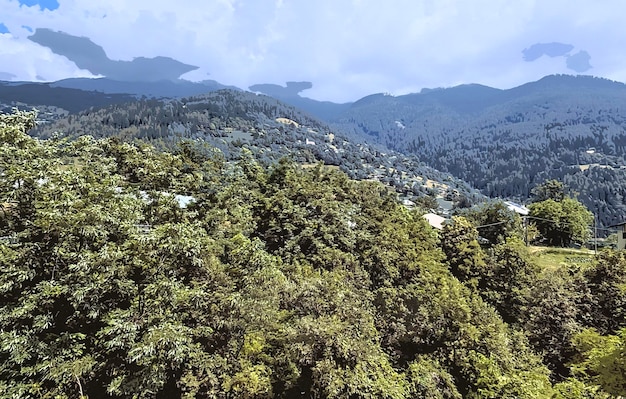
347, 48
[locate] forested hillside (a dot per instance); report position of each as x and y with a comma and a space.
130, 272
231, 121
46, 96
504, 142
77, 94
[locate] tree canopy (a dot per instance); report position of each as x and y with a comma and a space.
558, 218
128, 272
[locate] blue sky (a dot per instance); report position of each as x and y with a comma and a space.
347, 48
42, 4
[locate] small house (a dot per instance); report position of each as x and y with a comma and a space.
517, 208
621, 235
434, 220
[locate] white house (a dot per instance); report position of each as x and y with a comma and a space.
434, 220
520, 209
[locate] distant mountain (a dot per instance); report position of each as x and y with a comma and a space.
158, 89
92, 57
290, 94
75, 95
232, 120
103, 91
504, 142
27, 95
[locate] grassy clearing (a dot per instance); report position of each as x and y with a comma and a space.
554, 258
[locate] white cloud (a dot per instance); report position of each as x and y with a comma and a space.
31, 62
346, 48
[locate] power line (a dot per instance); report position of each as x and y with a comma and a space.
489, 225
562, 223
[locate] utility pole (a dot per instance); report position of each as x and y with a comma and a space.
526, 230
595, 235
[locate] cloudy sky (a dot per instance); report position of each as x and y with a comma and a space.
347, 48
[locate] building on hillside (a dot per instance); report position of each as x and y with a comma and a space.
434, 220
621, 235
408, 203
517, 208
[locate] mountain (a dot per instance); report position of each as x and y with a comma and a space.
46, 97
232, 121
290, 94
504, 142
75, 95
158, 89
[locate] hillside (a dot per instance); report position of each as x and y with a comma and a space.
78, 94
232, 120
274, 282
56, 100
504, 142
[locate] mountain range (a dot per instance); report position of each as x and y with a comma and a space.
501, 142
505, 142
237, 122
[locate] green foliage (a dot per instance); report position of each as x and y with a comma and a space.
427, 203
459, 241
605, 286
561, 222
270, 283
497, 221
572, 388
602, 360
551, 315
549, 189
508, 279
429, 380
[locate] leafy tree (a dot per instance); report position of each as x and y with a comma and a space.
496, 221
459, 241
605, 300
550, 189
602, 360
428, 379
427, 202
551, 315
572, 388
273, 282
561, 222
507, 279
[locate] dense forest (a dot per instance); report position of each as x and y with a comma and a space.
501, 142
134, 272
231, 120
504, 142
